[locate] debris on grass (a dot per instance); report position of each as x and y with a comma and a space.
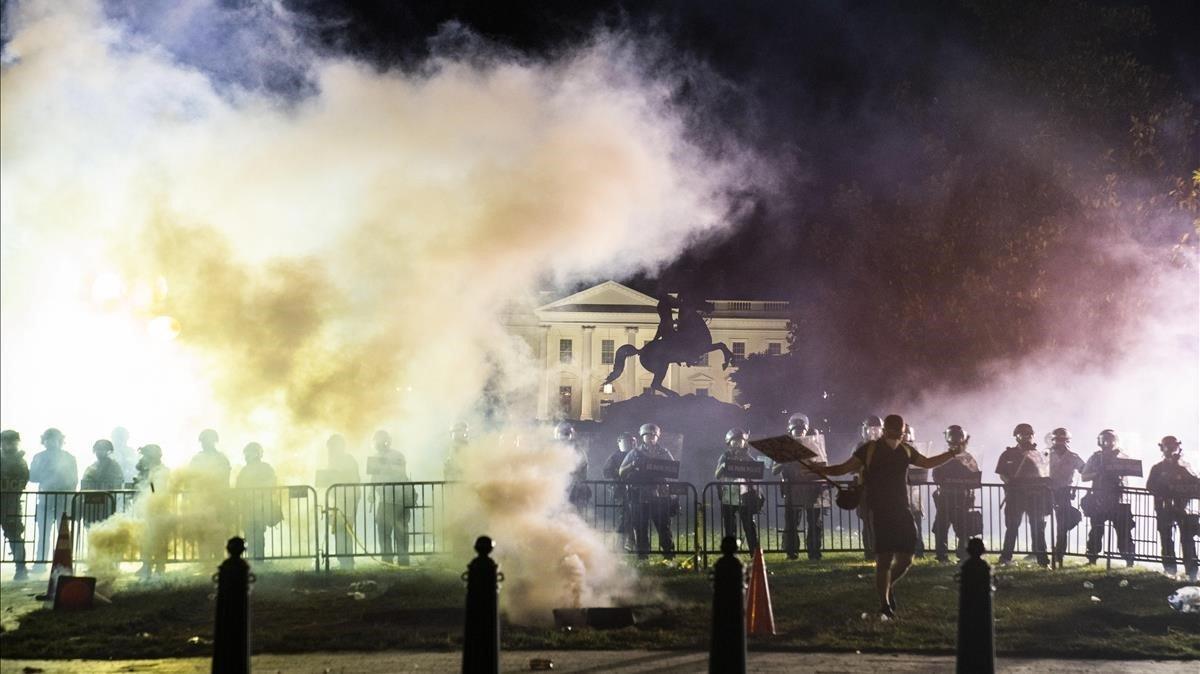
1089, 584
1095, 598
1185, 599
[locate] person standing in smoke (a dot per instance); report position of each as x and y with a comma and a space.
870, 430
1023, 470
802, 494
103, 475
578, 493
460, 437
393, 501
151, 483
54, 470
207, 485
14, 477
741, 501
612, 472
1104, 504
1173, 482
650, 496
953, 499
884, 467
125, 455
260, 505
1063, 465
342, 469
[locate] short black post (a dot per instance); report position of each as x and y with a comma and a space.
481, 634
976, 629
727, 648
231, 635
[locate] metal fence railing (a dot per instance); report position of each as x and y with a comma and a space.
393, 522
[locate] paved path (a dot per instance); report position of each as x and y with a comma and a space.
593, 661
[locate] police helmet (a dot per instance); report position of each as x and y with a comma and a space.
102, 447
800, 421
736, 434
910, 433
954, 434
1170, 445
10, 436
335, 441
209, 436
253, 450
52, 433
626, 441
151, 451
1060, 434
1107, 439
1022, 429
564, 432
649, 429
382, 437
871, 428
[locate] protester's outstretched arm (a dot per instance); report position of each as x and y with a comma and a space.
851, 465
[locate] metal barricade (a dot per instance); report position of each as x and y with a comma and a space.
387, 521
611, 512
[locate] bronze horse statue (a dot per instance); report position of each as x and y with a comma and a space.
683, 341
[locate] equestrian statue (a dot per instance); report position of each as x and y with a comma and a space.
683, 340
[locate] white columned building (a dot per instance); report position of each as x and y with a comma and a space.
575, 339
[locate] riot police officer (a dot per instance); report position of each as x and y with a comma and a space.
14, 477
342, 469
1023, 470
612, 471
870, 430
953, 499
210, 469
741, 501
578, 493
650, 496
1063, 465
1172, 481
103, 475
1105, 502
207, 492
261, 506
393, 501
151, 482
54, 470
460, 437
802, 494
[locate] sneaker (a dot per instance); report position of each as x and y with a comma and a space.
886, 613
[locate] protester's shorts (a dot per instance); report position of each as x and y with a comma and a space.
894, 531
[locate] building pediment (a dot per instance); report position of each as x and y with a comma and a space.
607, 297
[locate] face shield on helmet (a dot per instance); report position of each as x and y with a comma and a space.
626, 442
1023, 433
382, 440
152, 452
871, 428
910, 434
1059, 437
253, 452
460, 433
649, 433
798, 425
737, 438
102, 448
1170, 446
1108, 440
954, 434
564, 432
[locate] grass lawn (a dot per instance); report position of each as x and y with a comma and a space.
818, 606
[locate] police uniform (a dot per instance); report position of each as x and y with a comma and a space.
738, 502
103, 475
151, 483
53, 471
261, 507
650, 500
1025, 495
611, 471
14, 477
1169, 480
393, 505
1063, 465
1105, 504
802, 495
343, 469
953, 503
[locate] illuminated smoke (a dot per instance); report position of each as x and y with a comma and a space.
181, 251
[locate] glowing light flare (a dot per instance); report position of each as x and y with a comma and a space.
163, 328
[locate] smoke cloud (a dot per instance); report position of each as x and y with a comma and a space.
324, 246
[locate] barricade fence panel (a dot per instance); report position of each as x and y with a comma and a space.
391, 522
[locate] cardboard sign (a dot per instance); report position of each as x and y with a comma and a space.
659, 469
745, 470
1123, 467
965, 480
783, 449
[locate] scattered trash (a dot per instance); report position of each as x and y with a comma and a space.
1095, 598
356, 595
858, 652
145, 635
1124, 583
865, 617
364, 586
1185, 599
199, 641
860, 576
540, 664
1089, 584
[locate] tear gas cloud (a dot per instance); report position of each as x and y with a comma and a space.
183, 251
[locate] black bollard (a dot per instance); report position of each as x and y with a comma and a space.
231, 635
727, 649
976, 629
481, 634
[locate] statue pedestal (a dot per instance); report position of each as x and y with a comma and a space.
693, 430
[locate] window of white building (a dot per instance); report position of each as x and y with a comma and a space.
702, 392
774, 349
564, 350
607, 349
739, 352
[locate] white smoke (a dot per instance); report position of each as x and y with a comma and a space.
186, 248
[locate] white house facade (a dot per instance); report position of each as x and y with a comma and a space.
575, 339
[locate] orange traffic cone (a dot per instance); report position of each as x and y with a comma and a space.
63, 564
760, 619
